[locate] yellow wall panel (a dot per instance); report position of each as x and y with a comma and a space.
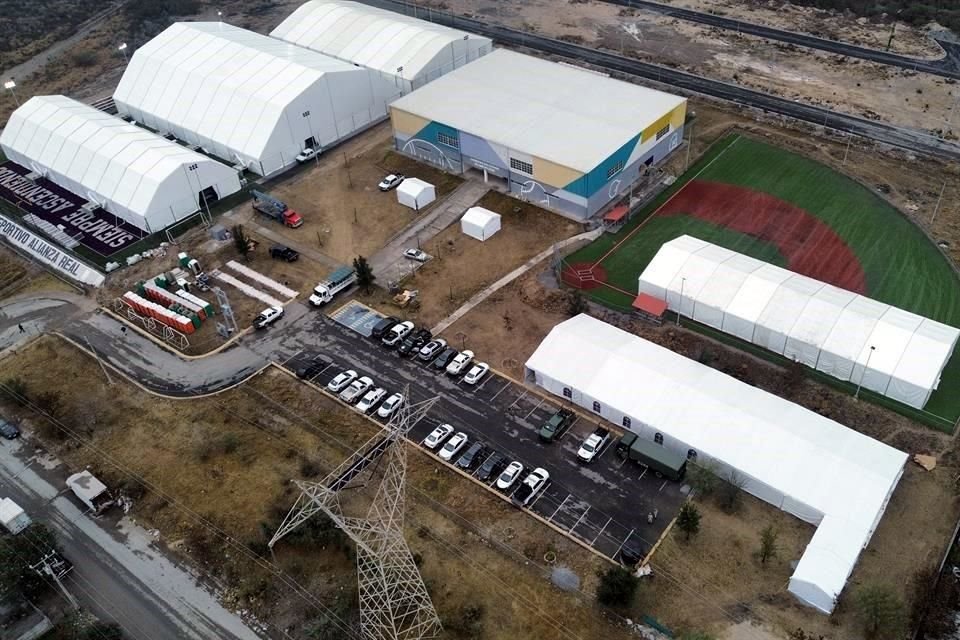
678, 115
406, 123
650, 132
554, 174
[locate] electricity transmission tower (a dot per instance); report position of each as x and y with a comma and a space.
394, 602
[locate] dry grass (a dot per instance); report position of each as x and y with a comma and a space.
463, 266
230, 459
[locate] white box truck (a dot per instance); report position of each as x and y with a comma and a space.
90, 491
13, 517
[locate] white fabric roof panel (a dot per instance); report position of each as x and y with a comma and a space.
811, 322
729, 278
413, 50
134, 174
803, 462
247, 97
569, 116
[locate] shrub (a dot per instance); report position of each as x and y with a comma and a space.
880, 611
85, 58
14, 390
617, 587
688, 520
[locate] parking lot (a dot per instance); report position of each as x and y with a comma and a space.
605, 504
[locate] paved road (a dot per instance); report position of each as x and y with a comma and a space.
889, 134
605, 503
948, 66
38, 313
118, 572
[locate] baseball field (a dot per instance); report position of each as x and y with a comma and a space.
786, 209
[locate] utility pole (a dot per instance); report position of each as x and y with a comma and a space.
847, 151
346, 164
45, 567
689, 144
394, 601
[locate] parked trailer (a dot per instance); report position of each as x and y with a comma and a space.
660, 460
12, 516
336, 282
276, 209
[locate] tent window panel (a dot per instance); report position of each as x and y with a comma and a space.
663, 132
567, 392
626, 422
692, 455
596, 406
658, 438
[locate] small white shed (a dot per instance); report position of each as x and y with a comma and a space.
415, 193
480, 223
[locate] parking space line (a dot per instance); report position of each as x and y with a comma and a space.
474, 474
568, 429
320, 373
485, 380
292, 357
521, 397
623, 543
623, 461
643, 473
602, 529
501, 391
550, 519
662, 486
543, 491
580, 519
542, 400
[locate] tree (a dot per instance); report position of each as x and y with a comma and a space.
365, 275
577, 303
240, 240
617, 587
688, 520
729, 491
703, 478
880, 611
18, 553
768, 544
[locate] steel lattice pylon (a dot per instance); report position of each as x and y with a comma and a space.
394, 602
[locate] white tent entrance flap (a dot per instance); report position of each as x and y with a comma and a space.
799, 461
893, 352
480, 223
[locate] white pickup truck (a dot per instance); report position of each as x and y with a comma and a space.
593, 445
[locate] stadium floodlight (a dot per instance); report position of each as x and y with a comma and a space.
123, 49
10, 85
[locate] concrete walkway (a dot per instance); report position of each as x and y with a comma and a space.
388, 263
444, 324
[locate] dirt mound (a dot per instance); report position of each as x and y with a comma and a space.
534, 294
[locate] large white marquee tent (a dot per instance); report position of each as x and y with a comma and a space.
245, 97
799, 461
134, 174
888, 350
408, 51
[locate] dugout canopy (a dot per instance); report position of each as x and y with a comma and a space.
893, 352
799, 461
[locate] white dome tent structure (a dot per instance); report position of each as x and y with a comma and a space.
136, 175
799, 461
407, 51
247, 98
480, 223
893, 352
416, 193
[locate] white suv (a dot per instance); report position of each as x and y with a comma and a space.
460, 362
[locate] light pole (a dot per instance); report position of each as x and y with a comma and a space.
123, 49
680, 306
463, 340
856, 396
10, 85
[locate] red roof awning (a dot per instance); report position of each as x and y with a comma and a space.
616, 214
649, 304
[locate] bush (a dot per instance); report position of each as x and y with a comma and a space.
703, 478
728, 491
688, 520
85, 58
932, 603
309, 468
229, 443
577, 303
100, 630
880, 611
14, 390
467, 621
617, 587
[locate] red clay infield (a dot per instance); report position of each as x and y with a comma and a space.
583, 275
810, 246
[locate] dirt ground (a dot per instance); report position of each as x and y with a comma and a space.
462, 266
482, 559
854, 86
344, 213
831, 25
19, 276
731, 587
300, 276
